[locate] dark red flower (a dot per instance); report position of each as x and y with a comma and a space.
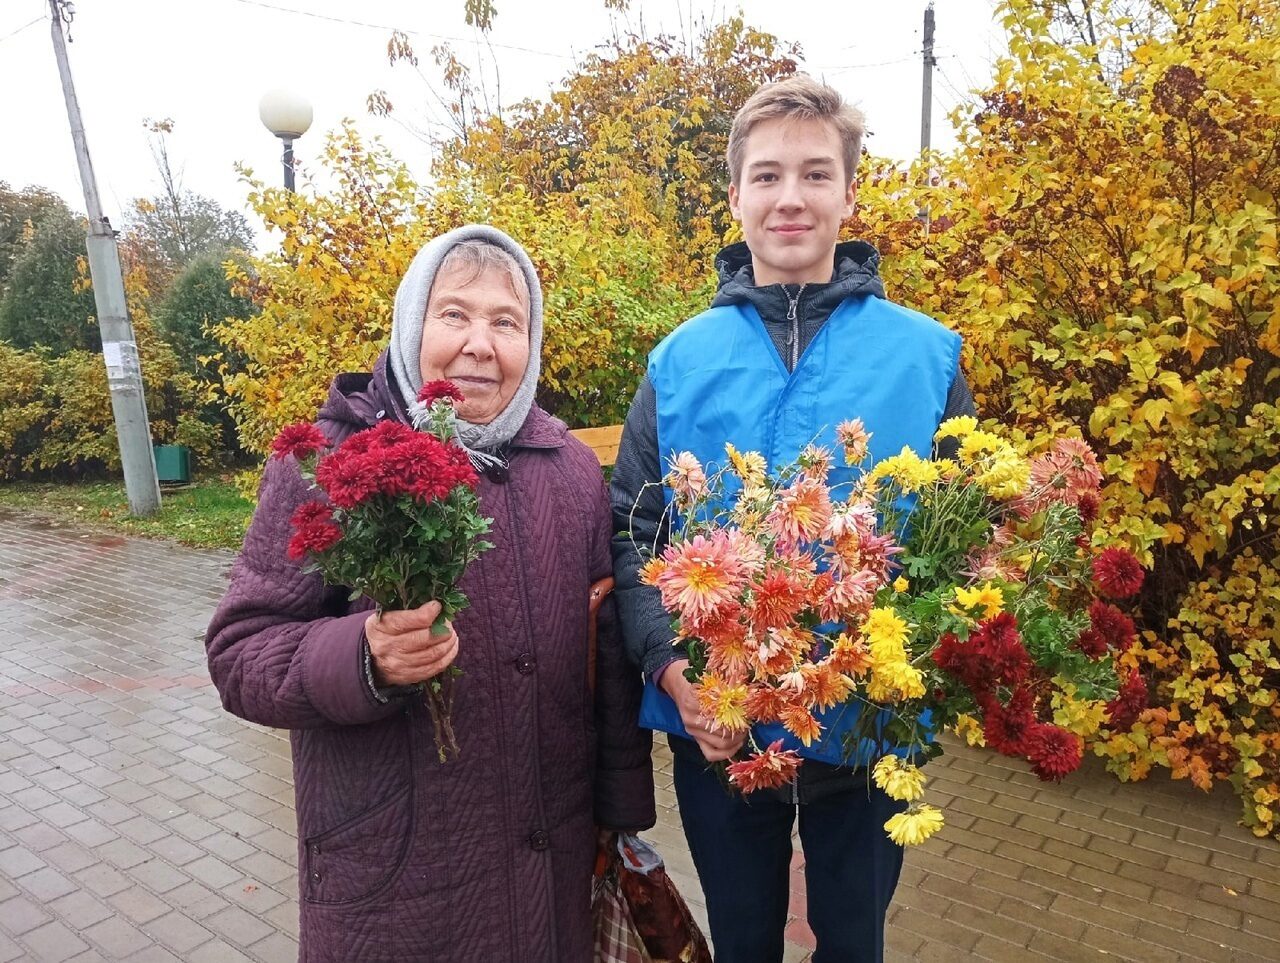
1089, 504
1006, 727
300, 440
313, 537
1111, 625
1053, 751
1091, 643
435, 390
1000, 647
1124, 709
992, 655
311, 512
1118, 573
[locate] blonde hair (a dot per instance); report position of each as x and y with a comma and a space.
798, 97
480, 256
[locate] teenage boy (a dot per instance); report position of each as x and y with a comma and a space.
798, 338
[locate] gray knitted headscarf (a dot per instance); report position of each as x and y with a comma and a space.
405, 350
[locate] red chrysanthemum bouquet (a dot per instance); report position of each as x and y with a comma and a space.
399, 520
995, 626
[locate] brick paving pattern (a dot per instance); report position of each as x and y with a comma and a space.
140, 822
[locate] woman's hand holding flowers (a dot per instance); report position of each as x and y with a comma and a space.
404, 648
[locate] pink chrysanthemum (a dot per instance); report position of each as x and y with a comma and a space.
801, 513
854, 439
686, 477
701, 575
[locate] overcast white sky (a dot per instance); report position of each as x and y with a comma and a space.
206, 63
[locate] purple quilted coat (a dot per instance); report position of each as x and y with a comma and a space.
487, 857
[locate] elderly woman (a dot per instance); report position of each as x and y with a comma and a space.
488, 856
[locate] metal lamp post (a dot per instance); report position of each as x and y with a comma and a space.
288, 116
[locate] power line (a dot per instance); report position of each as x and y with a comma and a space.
883, 63
384, 26
14, 33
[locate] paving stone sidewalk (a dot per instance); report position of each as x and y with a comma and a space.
140, 822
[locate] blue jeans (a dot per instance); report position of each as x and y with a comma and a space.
741, 846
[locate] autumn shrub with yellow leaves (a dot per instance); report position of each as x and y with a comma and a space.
1105, 237
614, 185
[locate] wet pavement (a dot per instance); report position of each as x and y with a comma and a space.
140, 822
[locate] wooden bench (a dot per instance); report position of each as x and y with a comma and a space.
603, 441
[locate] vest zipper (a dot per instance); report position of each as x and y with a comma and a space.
793, 341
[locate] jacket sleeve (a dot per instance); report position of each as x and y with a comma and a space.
639, 518
624, 797
959, 402
283, 649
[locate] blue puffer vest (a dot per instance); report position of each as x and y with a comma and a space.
718, 378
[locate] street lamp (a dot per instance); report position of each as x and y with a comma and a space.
287, 115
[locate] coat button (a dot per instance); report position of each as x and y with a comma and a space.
315, 877
524, 663
539, 841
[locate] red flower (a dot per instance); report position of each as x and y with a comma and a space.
435, 390
1118, 573
310, 513
300, 440
1006, 727
315, 530
765, 770
1089, 505
1124, 709
1111, 625
1053, 751
1091, 643
1000, 646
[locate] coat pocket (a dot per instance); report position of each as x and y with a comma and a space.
359, 858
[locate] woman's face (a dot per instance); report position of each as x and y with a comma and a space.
476, 334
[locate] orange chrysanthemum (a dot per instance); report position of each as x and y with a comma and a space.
779, 597
765, 770
799, 721
850, 656
825, 686
765, 703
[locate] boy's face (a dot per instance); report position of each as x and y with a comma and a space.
790, 198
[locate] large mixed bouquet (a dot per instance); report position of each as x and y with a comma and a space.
957, 593
398, 520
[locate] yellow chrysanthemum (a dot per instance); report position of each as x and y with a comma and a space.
907, 469
900, 780
977, 445
971, 729
948, 468
749, 465
1005, 475
900, 584
894, 680
884, 626
723, 703
915, 825
986, 599
958, 427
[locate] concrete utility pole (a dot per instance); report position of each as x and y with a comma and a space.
926, 95
119, 350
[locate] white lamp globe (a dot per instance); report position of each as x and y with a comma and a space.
285, 113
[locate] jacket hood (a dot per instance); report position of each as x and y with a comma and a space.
855, 270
